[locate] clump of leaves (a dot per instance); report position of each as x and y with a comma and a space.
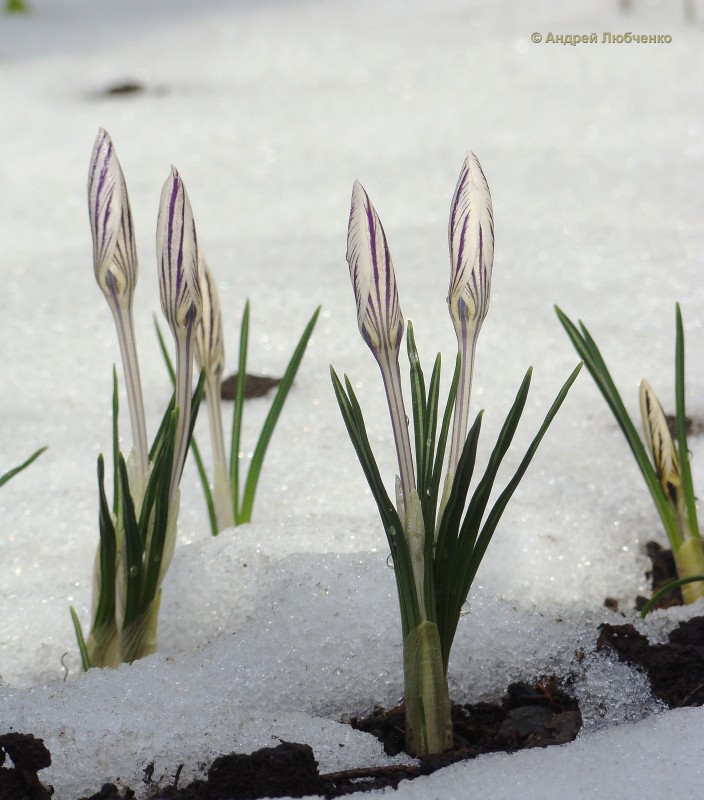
664, 464
437, 539
138, 534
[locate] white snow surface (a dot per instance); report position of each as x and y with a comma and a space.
277, 630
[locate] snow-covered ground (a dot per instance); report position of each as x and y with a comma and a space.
270, 110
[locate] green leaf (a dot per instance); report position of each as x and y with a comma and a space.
419, 405
85, 660
237, 415
133, 547
115, 445
666, 589
104, 618
442, 439
470, 561
589, 352
11, 473
686, 470
161, 478
272, 418
403, 568
200, 466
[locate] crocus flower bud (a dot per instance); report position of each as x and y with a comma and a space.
210, 351
662, 449
177, 257
471, 239
114, 252
379, 316
372, 273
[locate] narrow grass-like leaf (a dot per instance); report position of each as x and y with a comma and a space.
83, 650
200, 466
442, 439
133, 549
272, 417
237, 415
666, 589
686, 470
161, 477
482, 541
105, 608
589, 352
11, 473
418, 404
115, 445
403, 569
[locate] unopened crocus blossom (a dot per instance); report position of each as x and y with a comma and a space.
379, 316
471, 241
210, 356
115, 264
179, 284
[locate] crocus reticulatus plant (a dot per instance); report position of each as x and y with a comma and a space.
437, 539
663, 460
138, 534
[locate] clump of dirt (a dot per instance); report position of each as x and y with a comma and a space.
28, 755
675, 669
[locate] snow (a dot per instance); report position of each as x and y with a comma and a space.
270, 110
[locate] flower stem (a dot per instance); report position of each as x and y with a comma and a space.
221, 487
122, 314
184, 363
391, 375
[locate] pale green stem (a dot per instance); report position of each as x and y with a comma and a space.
467, 344
391, 375
221, 487
689, 560
122, 314
467, 347
184, 364
428, 709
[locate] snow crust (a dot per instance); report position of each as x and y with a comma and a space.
270, 110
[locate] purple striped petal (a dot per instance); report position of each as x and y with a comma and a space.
177, 256
114, 251
210, 350
471, 238
372, 273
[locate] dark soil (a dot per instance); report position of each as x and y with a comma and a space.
254, 386
528, 716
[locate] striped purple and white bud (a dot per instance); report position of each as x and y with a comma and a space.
180, 288
471, 241
210, 356
378, 312
210, 350
114, 250
177, 257
379, 317
115, 265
